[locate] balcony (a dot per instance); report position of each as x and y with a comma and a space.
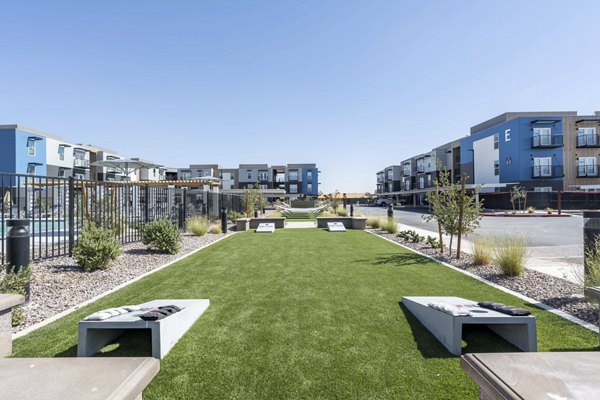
406, 172
587, 171
81, 163
546, 141
420, 169
588, 140
547, 171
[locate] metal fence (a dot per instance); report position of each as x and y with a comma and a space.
59, 208
540, 200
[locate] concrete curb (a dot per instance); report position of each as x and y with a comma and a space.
101, 295
536, 303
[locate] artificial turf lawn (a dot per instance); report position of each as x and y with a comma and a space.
304, 313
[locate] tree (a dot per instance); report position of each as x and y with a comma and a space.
252, 200
456, 211
516, 194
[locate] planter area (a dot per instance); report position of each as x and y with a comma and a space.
555, 292
58, 284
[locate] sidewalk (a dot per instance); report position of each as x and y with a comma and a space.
540, 259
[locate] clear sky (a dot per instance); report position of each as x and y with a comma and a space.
354, 86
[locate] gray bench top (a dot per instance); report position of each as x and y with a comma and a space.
556, 375
10, 300
76, 378
478, 315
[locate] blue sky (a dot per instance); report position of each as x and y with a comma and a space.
351, 85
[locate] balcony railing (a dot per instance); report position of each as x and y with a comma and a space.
547, 171
588, 140
420, 169
406, 172
546, 141
587, 171
79, 163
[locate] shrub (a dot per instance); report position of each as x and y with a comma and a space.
374, 222
163, 235
592, 265
96, 248
342, 212
406, 235
198, 225
548, 210
530, 210
15, 283
510, 254
433, 242
234, 216
483, 250
215, 229
415, 237
388, 225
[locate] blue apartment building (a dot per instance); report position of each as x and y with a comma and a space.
22, 150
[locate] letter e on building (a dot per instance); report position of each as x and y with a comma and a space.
507, 135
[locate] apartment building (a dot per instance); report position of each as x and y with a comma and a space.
22, 150
540, 151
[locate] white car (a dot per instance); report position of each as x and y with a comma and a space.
384, 202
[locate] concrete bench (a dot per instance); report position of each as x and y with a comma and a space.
7, 302
555, 375
76, 378
94, 335
520, 331
266, 227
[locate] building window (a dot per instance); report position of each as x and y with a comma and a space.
542, 166
390, 174
496, 167
496, 141
262, 187
249, 174
61, 172
542, 136
586, 137
293, 175
294, 188
406, 169
309, 175
186, 175
31, 169
31, 146
421, 183
587, 166
420, 166
309, 187
82, 176
428, 180
407, 185
542, 189
61, 153
263, 175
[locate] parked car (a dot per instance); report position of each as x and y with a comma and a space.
385, 201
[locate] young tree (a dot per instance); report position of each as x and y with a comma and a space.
516, 194
456, 211
252, 200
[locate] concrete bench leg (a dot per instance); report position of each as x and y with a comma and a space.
523, 336
5, 332
91, 341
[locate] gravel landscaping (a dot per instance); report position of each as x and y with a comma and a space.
555, 292
58, 284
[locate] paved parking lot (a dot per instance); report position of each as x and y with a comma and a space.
555, 244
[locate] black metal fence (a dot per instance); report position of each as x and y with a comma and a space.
59, 208
541, 200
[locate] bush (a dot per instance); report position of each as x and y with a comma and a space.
215, 229
415, 237
234, 216
163, 235
96, 248
433, 242
197, 225
530, 210
548, 210
388, 225
342, 212
15, 283
592, 263
374, 222
483, 250
510, 254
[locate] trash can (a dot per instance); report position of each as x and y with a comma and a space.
17, 244
591, 234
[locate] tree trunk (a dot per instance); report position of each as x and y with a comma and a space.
460, 217
441, 238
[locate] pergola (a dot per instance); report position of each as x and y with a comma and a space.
126, 166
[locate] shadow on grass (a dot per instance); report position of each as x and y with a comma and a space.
398, 259
478, 338
133, 343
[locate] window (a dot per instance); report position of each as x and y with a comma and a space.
421, 165
421, 183
309, 175
293, 175
406, 169
294, 188
309, 187
406, 185
586, 137
542, 166
82, 176
61, 153
31, 169
587, 166
496, 167
249, 174
61, 172
496, 140
542, 189
31, 147
263, 175
428, 180
185, 175
542, 136
262, 186
390, 174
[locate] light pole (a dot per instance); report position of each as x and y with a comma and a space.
473, 151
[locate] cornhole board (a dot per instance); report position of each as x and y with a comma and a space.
266, 227
76, 378
518, 330
336, 227
552, 375
94, 335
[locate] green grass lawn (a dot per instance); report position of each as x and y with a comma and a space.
306, 314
